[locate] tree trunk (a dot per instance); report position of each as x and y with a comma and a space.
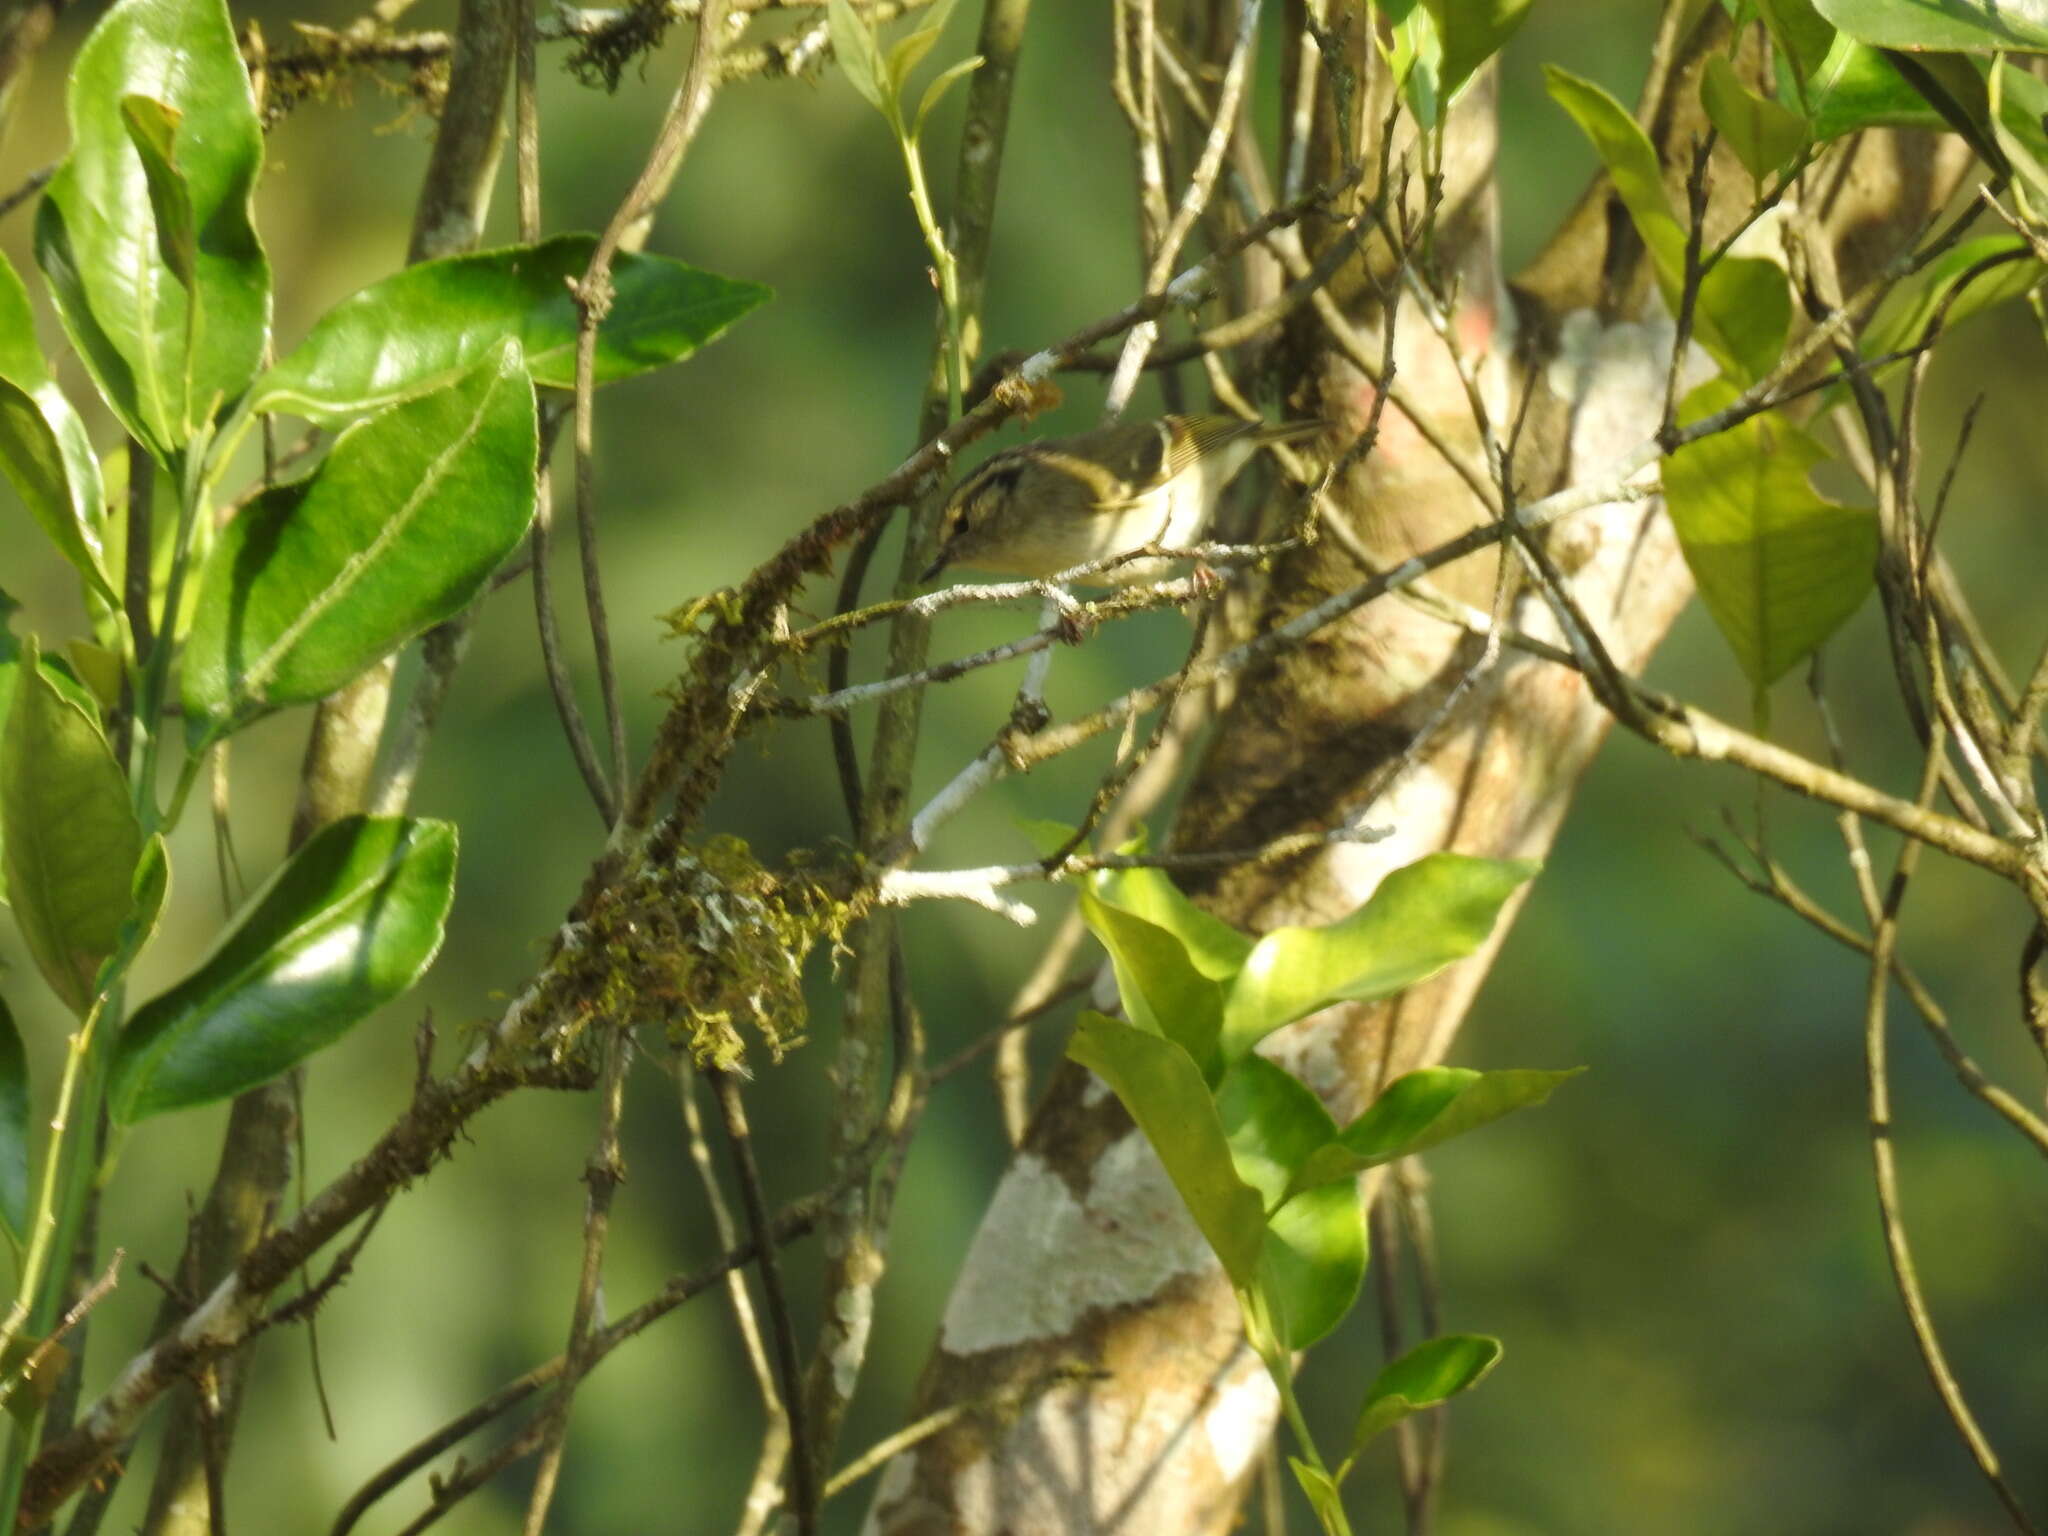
1086, 1255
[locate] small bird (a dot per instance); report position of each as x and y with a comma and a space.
1051, 505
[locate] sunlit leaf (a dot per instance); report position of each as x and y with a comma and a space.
1802, 34
1743, 306
1421, 1110
71, 837
1856, 87
1162, 989
44, 451
1780, 567
853, 44
350, 922
1949, 26
1162, 1088
101, 237
1217, 950
424, 327
401, 526
153, 130
1969, 279
1313, 1251
1472, 31
1422, 917
942, 83
1764, 135
1437, 1369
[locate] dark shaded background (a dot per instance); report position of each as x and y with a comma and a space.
1681, 1252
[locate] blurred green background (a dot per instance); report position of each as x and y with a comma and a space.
1681, 1252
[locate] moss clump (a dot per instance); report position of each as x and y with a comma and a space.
710, 941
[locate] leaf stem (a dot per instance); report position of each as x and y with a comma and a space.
942, 264
53, 1230
156, 677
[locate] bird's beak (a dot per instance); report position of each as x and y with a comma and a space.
939, 564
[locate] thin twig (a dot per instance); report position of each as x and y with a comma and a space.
732, 1112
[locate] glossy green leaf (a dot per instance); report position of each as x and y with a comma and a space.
1162, 1088
1422, 917
1161, 988
1779, 566
1472, 31
402, 525
853, 44
15, 1132
1216, 949
1424, 1109
1765, 136
1434, 1370
101, 239
44, 451
1948, 26
153, 130
1965, 278
421, 329
348, 924
1856, 87
942, 83
1312, 1256
1802, 34
71, 839
1743, 307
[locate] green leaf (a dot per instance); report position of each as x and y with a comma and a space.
853, 44
1802, 34
1437, 1369
2019, 119
147, 892
1743, 306
44, 451
1421, 1110
15, 1134
1856, 87
401, 526
71, 839
421, 329
1216, 949
1472, 31
1323, 1496
153, 130
1950, 84
1312, 1256
908, 51
1422, 917
348, 924
1415, 59
1162, 989
1764, 135
101, 234
1779, 566
1948, 26
1162, 1088
1902, 318
1742, 315
942, 83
